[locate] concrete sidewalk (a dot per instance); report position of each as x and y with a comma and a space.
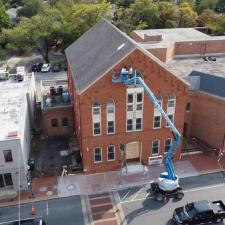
104, 182
54, 187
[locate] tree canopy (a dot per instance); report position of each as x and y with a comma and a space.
4, 19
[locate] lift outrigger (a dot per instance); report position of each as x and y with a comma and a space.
168, 182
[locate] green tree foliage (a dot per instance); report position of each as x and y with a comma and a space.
186, 16
220, 6
4, 19
202, 5
168, 14
208, 16
218, 27
122, 3
145, 14
31, 8
37, 32
82, 17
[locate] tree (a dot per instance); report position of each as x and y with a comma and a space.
202, 5
30, 8
168, 14
218, 27
82, 17
145, 14
207, 16
4, 19
37, 32
220, 6
122, 3
186, 16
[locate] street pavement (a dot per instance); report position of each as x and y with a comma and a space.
60, 211
140, 207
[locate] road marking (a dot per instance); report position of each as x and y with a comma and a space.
125, 195
186, 191
17, 220
138, 192
47, 208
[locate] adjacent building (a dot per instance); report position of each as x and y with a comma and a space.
108, 115
16, 114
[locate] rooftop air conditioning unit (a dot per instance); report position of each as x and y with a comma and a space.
155, 160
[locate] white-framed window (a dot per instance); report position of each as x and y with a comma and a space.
167, 144
96, 118
171, 117
135, 100
171, 104
97, 155
157, 122
110, 117
111, 153
155, 147
157, 115
97, 128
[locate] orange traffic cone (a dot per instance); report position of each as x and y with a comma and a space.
33, 211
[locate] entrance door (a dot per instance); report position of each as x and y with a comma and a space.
133, 151
6, 180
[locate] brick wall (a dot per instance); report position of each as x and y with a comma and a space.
207, 118
57, 113
159, 80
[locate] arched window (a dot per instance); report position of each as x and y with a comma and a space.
96, 108
110, 117
160, 99
96, 118
171, 100
157, 115
171, 103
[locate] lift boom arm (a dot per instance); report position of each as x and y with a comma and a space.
177, 136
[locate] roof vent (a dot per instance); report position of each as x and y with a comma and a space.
120, 47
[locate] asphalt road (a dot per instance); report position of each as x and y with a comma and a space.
62, 211
140, 208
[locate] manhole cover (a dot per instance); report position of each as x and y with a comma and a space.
70, 187
49, 193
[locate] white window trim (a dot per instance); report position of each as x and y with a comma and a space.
110, 160
158, 147
107, 115
94, 155
165, 144
108, 127
171, 121
93, 128
156, 128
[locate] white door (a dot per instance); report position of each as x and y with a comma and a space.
133, 150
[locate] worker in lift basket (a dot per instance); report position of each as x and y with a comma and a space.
124, 72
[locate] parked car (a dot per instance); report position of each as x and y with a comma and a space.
35, 221
37, 67
56, 67
200, 212
45, 68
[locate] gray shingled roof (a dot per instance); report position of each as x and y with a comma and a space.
211, 84
95, 52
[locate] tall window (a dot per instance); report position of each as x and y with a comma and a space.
157, 115
110, 117
171, 104
8, 155
96, 118
135, 100
167, 144
111, 153
97, 155
54, 122
155, 147
188, 107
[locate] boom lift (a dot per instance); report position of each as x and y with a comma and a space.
168, 182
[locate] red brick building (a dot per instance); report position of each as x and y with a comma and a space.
108, 114
187, 52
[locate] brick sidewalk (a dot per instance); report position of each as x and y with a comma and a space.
49, 187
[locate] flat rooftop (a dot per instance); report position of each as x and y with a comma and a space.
184, 66
170, 36
207, 76
55, 93
12, 99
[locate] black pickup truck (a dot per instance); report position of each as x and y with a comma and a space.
200, 212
